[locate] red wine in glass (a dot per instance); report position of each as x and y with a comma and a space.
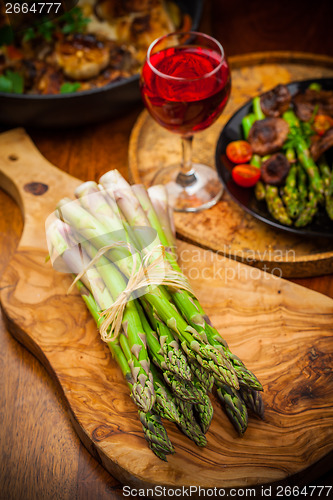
191, 100
185, 85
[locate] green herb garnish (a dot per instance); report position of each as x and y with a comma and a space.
70, 22
29, 34
11, 82
315, 86
74, 21
68, 87
44, 30
5, 84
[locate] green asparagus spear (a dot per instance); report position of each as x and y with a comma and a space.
165, 405
259, 188
234, 407
247, 123
260, 191
252, 399
275, 205
329, 198
204, 409
259, 115
290, 194
92, 200
290, 155
256, 161
183, 388
327, 177
119, 189
104, 208
155, 434
188, 424
309, 210
310, 167
169, 344
159, 220
302, 187
174, 359
325, 174
297, 140
330, 185
205, 377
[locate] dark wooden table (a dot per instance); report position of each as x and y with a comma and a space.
41, 457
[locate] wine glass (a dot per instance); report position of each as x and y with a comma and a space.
185, 84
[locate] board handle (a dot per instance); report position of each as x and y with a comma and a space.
33, 182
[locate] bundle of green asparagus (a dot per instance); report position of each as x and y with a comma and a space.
308, 185
119, 243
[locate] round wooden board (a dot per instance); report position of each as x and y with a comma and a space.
226, 228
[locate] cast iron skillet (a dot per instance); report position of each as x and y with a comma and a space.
321, 226
82, 108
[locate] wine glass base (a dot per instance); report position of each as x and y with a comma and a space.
204, 192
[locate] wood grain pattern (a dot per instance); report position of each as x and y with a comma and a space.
282, 331
239, 235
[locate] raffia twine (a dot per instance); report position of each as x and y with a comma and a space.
147, 274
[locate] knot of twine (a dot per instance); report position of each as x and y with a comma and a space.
148, 274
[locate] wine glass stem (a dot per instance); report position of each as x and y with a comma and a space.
186, 176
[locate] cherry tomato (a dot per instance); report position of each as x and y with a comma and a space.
322, 123
245, 175
239, 151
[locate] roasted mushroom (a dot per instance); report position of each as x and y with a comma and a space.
311, 101
275, 170
82, 56
268, 135
320, 146
275, 102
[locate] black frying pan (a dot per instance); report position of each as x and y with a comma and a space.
82, 108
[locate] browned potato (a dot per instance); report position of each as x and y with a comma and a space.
82, 57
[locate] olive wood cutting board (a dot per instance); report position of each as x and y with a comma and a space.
226, 227
283, 332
